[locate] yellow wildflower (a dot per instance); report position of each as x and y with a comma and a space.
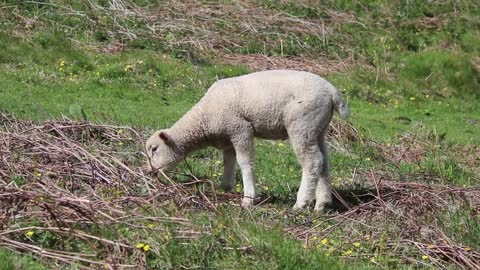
265, 188
146, 248
30, 233
120, 131
140, 245
424, 257
281, 145
467, 249
348, 252
324, 241
356, 244
150, 225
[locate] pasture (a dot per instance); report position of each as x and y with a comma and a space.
84, 83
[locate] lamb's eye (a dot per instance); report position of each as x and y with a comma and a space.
154, 149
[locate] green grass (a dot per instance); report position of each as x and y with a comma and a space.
12, 261
416, 74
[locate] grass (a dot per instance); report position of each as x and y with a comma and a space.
12, 261
412, 75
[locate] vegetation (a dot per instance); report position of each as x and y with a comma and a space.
405, 167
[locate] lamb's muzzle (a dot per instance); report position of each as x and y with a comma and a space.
277, 104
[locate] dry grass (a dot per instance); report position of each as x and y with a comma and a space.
407, 212
224, 32
67, 178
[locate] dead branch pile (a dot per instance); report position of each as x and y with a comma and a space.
63, 179
411, 212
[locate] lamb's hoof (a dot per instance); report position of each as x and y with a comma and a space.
299, 206
320, 207
247, 203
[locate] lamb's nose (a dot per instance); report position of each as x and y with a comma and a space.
149, 170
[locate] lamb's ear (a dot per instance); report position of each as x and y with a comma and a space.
165, 137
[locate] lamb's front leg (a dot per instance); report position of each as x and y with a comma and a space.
244, 147
228, 178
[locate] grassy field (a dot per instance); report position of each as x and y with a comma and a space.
102, 75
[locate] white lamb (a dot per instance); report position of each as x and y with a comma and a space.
277, 104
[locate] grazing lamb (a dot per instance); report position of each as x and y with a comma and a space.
276, 104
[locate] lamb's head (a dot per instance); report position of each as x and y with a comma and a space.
162, 152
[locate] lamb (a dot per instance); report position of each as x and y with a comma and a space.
276, 105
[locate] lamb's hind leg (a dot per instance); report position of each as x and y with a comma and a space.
310, 157
323, 192
228, 178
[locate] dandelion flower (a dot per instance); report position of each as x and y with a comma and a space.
356, 244
140, 245
146, 248
30, 233
424, 257
324, 241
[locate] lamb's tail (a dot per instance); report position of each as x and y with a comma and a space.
339, 104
